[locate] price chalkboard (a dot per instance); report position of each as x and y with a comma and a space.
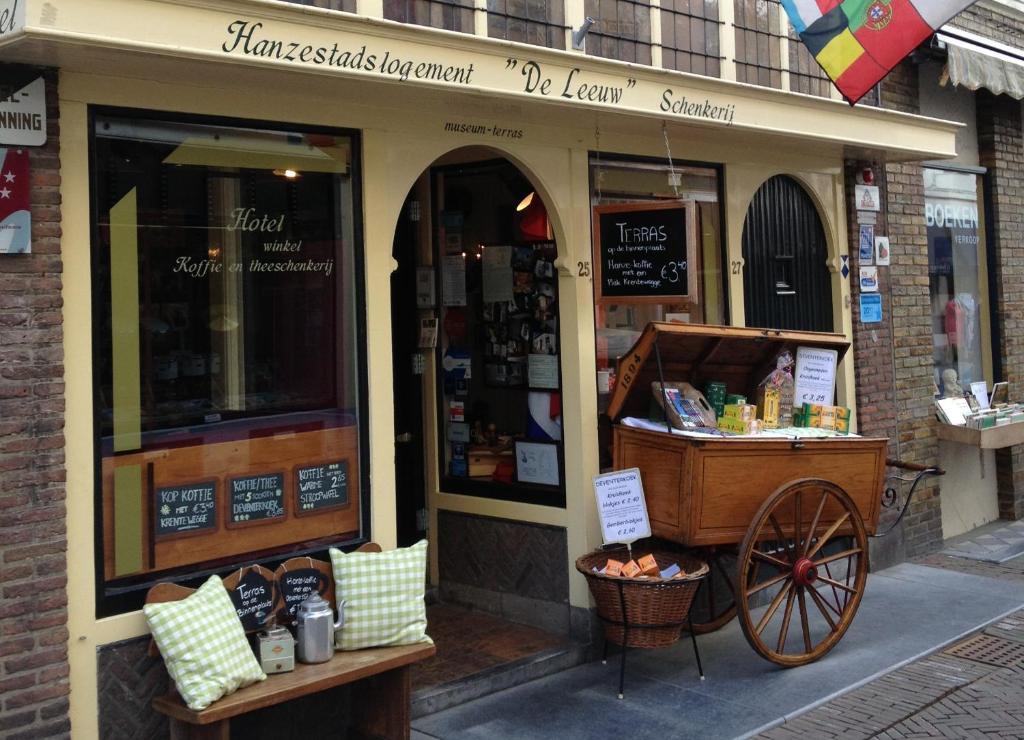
255, 498
321, 487
296, 585
186, 509
643, 251
252, 593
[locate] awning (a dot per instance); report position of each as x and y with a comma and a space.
975, 62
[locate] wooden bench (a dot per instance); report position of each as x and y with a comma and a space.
380, 679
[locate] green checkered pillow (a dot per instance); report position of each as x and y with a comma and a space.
383, 594
203, 644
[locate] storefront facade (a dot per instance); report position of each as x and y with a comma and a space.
265, 170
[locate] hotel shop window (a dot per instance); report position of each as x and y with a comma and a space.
498, 353
679, 200
228, 356
957, 280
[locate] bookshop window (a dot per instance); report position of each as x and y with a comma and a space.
958, 281
636, 270
228, 355
499, 348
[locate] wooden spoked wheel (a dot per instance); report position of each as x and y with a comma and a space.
714, 604
803, 565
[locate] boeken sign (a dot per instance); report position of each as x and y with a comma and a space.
622, 507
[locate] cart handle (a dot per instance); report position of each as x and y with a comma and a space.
890, 496
932, 469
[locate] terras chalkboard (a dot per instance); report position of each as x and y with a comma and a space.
256, 498
186, 509
322, 486
642, 251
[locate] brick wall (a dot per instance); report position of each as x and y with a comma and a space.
991, 23
33, 571
894, 358
1001, 151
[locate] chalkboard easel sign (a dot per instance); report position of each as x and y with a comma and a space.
320, 487
253, 595
185, 509
255, 499
646, 252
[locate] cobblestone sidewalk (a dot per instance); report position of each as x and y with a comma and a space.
973, 689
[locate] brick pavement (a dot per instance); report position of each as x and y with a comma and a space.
972, 689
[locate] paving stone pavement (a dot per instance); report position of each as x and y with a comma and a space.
972, 689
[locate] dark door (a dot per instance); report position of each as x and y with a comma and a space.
786, 283
408, 386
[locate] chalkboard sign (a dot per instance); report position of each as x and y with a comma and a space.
643, 251
321, 487
252, 592
295, 584
255, 498
186, 509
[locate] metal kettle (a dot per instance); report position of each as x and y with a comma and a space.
316, 625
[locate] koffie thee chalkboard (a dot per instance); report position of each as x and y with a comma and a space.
186, 509
320, 487
252, 592
255, 498
644, 251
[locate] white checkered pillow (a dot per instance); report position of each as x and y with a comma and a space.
383, 594
203, 644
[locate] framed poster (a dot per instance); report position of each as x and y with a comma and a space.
646, 252
537, 462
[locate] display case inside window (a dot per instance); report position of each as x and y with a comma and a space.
227, 364
958, 281
499, 349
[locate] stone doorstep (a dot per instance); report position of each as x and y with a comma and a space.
491, 680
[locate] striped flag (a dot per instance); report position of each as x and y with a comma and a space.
857, 42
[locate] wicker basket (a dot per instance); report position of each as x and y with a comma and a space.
656, 609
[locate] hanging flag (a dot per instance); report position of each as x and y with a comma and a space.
857, 42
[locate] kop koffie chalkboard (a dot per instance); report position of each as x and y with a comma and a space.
321, 487
255, 498
643, 251
186, 509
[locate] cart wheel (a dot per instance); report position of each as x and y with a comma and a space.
806, 551
714, 604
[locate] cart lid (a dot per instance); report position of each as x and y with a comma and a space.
740, 357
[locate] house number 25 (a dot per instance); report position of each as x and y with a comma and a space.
583, 268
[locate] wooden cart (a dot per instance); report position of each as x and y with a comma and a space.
800, 510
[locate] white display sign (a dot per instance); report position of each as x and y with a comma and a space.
12, 17
23, 112
867, 198
622, 507
497, 274
815, 377
537, 462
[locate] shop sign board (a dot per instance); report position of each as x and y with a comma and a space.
252, 594
643, 251
622, 507
815, 376
23, 111
296, 585
186, 509
12, 17
322, 487
256, 498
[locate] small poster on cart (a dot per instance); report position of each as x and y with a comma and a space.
815, 376
622, 507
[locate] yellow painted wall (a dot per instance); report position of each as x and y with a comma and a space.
401, 137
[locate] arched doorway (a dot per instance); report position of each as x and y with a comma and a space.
787, 284
477, 398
